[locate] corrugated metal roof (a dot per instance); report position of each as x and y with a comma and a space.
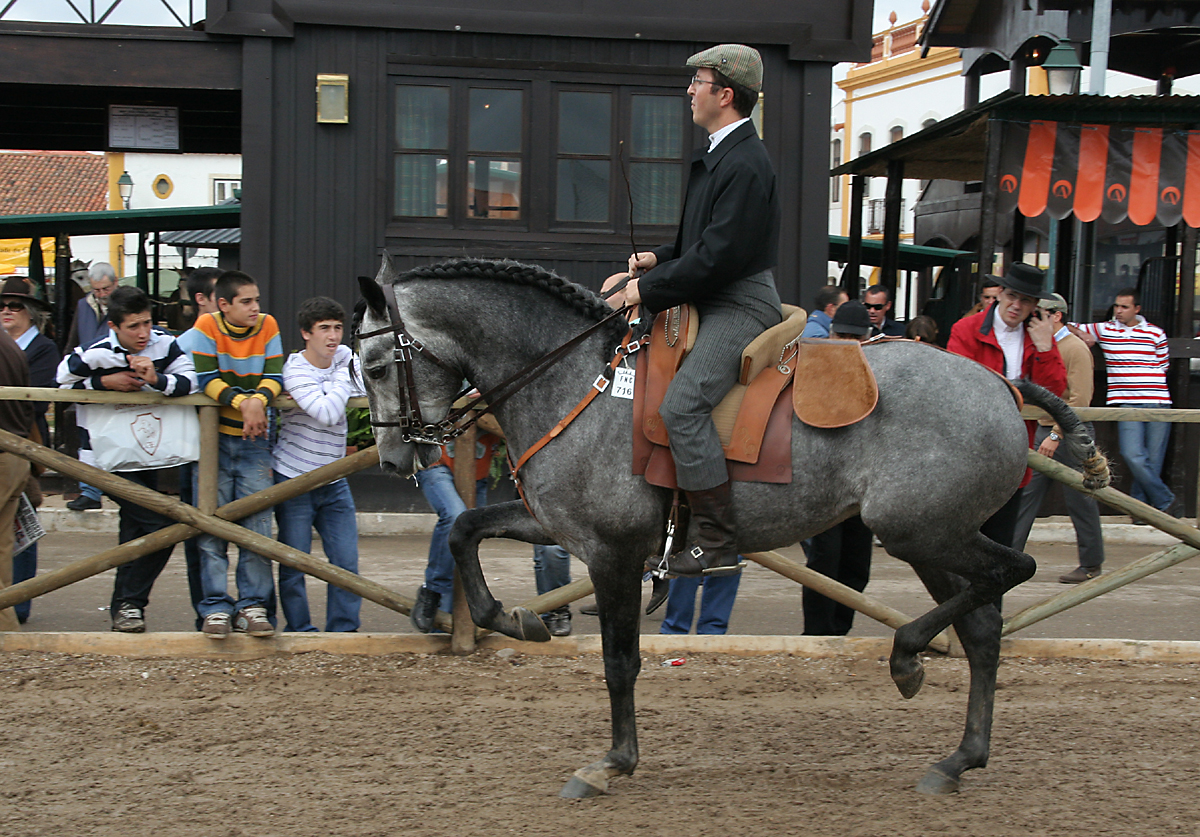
203, 238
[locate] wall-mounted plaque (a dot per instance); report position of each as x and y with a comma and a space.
144, 128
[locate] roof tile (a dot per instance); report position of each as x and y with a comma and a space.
34, 182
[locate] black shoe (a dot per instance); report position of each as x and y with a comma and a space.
558, 621
424, 610
712, 546
658, 594
1175, 509
1079, 575
83, 503
590, 610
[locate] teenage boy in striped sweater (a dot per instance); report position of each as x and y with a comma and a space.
1136, 358
239, 362
319, 380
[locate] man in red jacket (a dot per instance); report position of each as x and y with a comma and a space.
1016, 339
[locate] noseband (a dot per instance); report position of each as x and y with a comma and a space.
412, 427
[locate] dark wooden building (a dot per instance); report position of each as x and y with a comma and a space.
493, 130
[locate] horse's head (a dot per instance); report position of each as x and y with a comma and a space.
386, 379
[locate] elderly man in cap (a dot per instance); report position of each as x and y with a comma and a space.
721, 262
1016, 339
1083, 509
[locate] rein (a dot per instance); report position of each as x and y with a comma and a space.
414, 429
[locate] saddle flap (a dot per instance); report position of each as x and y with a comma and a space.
767, 349
671, 338
835, 386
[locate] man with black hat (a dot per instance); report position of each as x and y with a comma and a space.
721, 262
1016, 339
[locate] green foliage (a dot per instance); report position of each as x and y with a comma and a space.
360, 434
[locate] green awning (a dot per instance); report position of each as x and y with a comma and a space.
159, 219
912, 256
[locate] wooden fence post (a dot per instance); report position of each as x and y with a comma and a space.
462, 638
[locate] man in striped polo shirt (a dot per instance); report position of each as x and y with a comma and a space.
239, 363
314, 434
1136, 357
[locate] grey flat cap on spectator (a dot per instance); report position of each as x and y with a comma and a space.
737, 62
1054, 303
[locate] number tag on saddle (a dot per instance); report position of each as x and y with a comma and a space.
622, 383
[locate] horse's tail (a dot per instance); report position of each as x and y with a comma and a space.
1075, 435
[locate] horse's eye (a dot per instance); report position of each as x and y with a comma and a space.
377, 373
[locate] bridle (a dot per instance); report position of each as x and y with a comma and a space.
412, 427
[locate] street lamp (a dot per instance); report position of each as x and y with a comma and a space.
125, 187
1062, 70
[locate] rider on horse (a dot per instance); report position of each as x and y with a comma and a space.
720, 262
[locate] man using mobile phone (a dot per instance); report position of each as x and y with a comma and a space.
1016, 339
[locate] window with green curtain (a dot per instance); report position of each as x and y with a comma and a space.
655, 173
422, 149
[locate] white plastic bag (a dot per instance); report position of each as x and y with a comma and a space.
142, 437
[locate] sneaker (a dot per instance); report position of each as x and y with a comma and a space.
253, 620
83, 503
216, 625
128, 620
558, 621
424, 609
1079, 575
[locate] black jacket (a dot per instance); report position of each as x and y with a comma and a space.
730, 224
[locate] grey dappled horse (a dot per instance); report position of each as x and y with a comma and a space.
942, 451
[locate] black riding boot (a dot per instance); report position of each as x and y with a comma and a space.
712, 547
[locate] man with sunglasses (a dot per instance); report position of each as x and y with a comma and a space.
878, 301
721, 262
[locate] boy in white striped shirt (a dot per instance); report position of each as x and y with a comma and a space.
318, 379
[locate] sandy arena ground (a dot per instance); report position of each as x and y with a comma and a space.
316, 744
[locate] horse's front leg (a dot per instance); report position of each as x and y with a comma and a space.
618, 586
503, 520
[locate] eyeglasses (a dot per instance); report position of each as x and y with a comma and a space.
13, 306
697, 80
875, 306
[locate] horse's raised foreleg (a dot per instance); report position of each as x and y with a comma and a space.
503, 520
979, 632
989, 570
618, 596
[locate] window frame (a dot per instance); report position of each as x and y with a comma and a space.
540, 155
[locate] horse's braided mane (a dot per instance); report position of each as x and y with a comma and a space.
579, 298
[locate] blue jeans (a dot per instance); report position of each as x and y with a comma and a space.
551, 567
245, 469
437, 484
716, 604
330, 509
1144, 447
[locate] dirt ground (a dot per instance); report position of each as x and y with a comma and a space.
434, 745
316, 744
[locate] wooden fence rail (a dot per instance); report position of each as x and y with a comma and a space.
206, 517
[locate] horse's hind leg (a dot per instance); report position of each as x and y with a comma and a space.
988, 569
618, 593
503, 520
979, 632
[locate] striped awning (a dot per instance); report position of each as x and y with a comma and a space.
1112, 172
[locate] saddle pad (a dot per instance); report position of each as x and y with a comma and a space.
774, 464
834, 386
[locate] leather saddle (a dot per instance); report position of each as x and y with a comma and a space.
826, 383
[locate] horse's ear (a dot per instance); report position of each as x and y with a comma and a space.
372, 292
387, 270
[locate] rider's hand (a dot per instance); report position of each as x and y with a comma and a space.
639, 263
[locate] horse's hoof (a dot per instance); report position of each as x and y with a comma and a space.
910, 683
529, 625
579, 788
937, 783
